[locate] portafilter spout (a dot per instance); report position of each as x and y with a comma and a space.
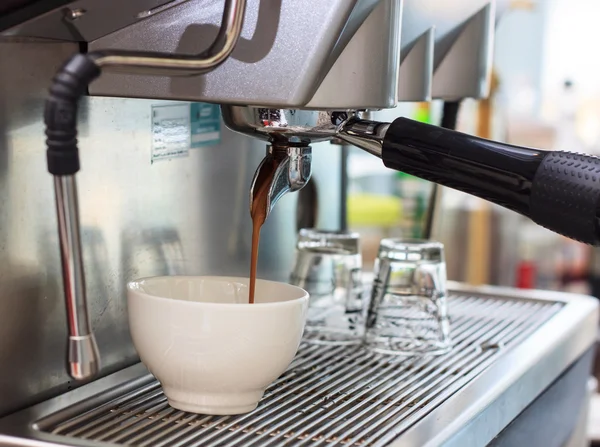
288, 133
558, 190
292, 173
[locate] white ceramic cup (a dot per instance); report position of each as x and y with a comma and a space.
212, 352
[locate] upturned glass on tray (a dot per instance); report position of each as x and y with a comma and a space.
328, 266
408, 312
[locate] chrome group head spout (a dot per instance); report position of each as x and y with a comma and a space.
290, 132
292, 173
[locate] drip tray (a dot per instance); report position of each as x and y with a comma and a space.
508, 347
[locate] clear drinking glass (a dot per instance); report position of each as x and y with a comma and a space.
408, 312
328, 266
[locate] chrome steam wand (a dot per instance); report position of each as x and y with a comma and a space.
60, 116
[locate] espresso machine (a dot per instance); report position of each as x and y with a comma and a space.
131, 92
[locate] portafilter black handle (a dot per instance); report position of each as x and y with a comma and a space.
558, 190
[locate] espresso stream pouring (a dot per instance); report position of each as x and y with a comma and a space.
259, 205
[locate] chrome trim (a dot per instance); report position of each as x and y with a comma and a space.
305, 126
284, 125
367, 135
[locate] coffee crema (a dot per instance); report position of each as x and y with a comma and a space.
258, 213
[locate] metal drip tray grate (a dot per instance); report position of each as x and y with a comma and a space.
329, 395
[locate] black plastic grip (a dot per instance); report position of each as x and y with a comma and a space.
498, 172
558, 190
60, 114
565, 195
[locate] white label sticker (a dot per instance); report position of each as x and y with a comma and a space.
170, 131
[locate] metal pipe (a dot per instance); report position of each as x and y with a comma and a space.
83, 356
155, 63
367, 135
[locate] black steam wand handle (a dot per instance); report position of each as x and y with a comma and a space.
558, 190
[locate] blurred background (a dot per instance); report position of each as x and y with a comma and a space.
546, 93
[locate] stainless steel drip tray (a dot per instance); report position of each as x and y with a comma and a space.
509, 346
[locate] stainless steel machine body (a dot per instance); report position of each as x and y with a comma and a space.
358, 38
292, 53
140, 216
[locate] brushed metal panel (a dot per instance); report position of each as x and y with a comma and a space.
465, 71
366, 72
447, 17
186, 215
286, 47
416, 69
463, 43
